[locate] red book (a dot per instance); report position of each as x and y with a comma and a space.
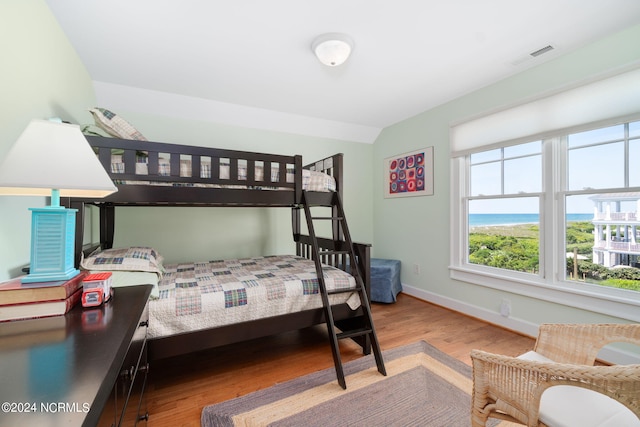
39, 309
15, 292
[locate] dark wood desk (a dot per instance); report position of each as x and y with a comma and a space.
61, 370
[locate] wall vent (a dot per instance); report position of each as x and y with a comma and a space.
542, 50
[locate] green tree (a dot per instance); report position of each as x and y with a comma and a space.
516, 248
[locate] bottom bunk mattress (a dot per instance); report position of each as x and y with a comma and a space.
205, 295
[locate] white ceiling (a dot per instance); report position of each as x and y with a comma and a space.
249, 62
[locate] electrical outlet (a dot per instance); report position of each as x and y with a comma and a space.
416, 269
505, 307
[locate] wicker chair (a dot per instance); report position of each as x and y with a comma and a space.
511, 388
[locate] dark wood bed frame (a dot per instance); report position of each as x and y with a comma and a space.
188, 195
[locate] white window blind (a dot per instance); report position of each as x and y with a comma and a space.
605, 99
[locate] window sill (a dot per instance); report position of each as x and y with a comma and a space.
617, 303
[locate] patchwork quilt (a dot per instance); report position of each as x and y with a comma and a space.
215, 293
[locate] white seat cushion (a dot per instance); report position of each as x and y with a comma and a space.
532, 355
569, 406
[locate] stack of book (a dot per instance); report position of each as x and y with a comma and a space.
41, 299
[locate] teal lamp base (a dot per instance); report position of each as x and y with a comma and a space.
52, 244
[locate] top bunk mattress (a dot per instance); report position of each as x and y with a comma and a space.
311, 180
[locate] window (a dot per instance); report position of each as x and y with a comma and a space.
561, 211
603, 247
500, 195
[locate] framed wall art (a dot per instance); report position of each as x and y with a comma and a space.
409, 174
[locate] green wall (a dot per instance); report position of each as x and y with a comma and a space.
416, 230
41, 77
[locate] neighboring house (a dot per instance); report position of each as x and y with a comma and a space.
616, 239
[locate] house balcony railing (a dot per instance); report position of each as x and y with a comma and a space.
623, 247
616, 216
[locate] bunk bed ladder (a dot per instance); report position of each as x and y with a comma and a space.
345, 251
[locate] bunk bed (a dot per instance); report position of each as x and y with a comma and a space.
160, 174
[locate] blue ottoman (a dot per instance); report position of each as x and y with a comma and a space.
385, 280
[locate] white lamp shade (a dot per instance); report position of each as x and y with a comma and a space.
50, 155
332, 49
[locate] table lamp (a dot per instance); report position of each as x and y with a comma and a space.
53, 158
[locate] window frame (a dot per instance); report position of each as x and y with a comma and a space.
549, 284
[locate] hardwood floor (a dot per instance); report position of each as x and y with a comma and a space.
180, 387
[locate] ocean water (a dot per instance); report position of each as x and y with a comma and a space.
508, 219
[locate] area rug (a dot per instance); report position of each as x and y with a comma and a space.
423, 387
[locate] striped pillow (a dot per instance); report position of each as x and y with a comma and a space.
135, 258
115, 125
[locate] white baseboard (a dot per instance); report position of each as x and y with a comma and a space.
518, 325
494, 318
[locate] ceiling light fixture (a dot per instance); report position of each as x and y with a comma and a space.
332, 49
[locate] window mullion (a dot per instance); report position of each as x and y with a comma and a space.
555, 181
502, 170
627, 160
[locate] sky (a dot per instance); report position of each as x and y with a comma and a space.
596, 160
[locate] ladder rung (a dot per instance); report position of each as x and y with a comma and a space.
334, 218
344, 291
354, 333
